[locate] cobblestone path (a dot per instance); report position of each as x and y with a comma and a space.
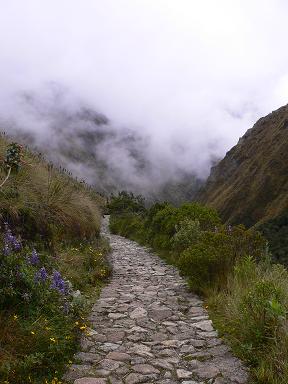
148, 328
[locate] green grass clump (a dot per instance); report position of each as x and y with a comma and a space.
252, 315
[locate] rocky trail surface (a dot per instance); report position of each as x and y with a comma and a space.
147, 327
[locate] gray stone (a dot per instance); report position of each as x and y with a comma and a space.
90, 380
119, 356
145, 369
183, 374
205, 325
138, 313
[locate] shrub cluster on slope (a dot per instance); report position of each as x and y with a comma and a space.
49, 248
246, 294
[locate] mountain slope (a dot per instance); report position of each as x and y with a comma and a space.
250, 185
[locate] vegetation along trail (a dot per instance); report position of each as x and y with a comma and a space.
148, 328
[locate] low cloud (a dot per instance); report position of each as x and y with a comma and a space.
179, 81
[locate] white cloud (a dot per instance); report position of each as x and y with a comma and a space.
192, 74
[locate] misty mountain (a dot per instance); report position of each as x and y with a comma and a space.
87, 143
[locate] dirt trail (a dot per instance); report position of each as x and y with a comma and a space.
148, 328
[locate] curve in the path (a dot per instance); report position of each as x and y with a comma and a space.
148, 328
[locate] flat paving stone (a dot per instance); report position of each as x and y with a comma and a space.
148, 328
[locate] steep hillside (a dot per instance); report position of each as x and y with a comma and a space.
52, 262
250, 185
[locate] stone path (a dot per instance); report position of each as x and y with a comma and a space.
148, 328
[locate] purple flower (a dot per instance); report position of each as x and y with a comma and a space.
10, 241
34, 258
41, 275
58, 283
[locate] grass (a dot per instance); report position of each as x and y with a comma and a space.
57, 215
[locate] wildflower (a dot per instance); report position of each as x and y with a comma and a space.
76, 322
34, 258
15, 317
58, 283
32, 333
10, 241
52, 339
41, 275
83, 327
26, 296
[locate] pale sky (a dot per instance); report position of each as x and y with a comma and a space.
193, 75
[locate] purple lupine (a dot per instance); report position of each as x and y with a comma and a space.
41, 275
10, 241
58, 283
34, 258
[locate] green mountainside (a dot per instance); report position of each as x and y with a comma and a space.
250, 185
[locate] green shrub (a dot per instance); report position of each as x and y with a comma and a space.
209, 260
252, 314
125, 202
187, 233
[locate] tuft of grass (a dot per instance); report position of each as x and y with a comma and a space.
252, 316
46, 203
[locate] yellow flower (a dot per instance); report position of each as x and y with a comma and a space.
83, 327
76, 322
32, 333
15, 317
52, 339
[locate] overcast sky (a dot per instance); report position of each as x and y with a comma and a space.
195, 75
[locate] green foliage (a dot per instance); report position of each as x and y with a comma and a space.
126, 202
128, 225
252, 314
276, 232
163, 220
208, 261
13, 157
187, 233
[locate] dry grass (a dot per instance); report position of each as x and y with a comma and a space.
41, 196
